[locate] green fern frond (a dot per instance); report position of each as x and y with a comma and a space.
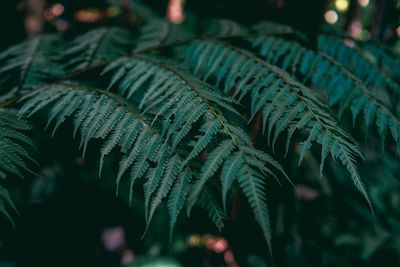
385, 58
180, 101
14, 152
272, 28
13, 144
284, 103
208, 202
96, 47
223, 28
99, 114
29, 64
177, 198
343, 87
6, 205
160, 33
358, 63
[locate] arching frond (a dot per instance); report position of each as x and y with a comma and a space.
283, 102
160, 33
14, 147
98, 114
208, 202
223, 28
385, 58
325, 73
381, 55
97, 46
29, 64
183, 103
13, 144
357, 62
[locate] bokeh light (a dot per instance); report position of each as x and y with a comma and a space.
363, 3
175, 11
331, 16
342, 5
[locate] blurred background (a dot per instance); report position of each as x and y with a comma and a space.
69, 218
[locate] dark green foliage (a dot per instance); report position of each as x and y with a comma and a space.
342, 87
14, 152
29, 64
183, 113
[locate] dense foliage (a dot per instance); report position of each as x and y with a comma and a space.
197, 112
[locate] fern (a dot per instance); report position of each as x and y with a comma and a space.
160, 33
14, 146
342, 87
223, 28
283, 102
180, 129
13, 142
185, 100
29, 64
358, 63
96, 47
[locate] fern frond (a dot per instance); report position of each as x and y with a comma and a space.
284, 103
180, 102
358, 63
14, 146
343, 88
177, 198
253, 188
160, 33
386, 59
6, 205
223, 28
208, 202
95, 117
29, 64
97, 46
381, 55
272, 28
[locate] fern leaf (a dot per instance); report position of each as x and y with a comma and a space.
218, 28
177, 197
129, 130
273, 89
208, 202
96, 47
344, 89
186, 102
29, 64
253, 188
161, 33
14, 146
353, 59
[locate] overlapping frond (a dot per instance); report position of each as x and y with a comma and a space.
350, 56
284, 103
100, 114
97, 46
386, 59
223, 28
160, 33
186, 105
13, 144
14, 152
343, 88
383, 56
29, 64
